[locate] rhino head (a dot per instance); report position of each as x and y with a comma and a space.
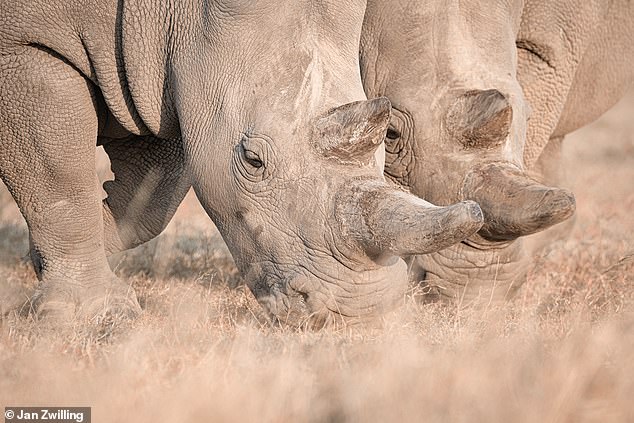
459, 132
313, 226
287, 159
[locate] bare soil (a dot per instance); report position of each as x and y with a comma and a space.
561, 351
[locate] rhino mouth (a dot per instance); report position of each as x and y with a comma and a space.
312, 299
481, 243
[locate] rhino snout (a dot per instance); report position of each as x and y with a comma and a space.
330, 294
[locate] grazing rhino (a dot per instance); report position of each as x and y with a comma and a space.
463, 77
262, 112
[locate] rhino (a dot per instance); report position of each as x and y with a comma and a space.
263, 113
483, 93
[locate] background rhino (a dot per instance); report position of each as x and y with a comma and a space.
463, 77
262, 112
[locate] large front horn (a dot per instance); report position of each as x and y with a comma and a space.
386, 221
513, 204
351, 133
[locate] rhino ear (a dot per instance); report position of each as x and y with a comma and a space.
480, 118
351, 133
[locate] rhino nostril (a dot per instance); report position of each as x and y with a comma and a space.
304, 296
302, 286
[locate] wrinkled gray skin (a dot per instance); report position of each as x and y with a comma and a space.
483, 93
262, 112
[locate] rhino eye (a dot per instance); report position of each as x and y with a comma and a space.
252, 158
392, 134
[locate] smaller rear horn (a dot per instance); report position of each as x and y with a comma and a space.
480, 118
352, 133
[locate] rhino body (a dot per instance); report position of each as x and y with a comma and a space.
262, 113
574, 63
483, 93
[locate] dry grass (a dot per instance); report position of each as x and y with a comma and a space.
562, 351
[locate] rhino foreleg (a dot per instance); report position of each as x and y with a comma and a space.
48, 128
150, 182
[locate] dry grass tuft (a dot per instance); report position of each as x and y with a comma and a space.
562, 350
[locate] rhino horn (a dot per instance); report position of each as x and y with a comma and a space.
480, 118
390, 222
352, 133
513, 204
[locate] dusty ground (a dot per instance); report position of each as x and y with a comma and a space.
562, 351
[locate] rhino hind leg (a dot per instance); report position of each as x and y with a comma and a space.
48, 128
150, 182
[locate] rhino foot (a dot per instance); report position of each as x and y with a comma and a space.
100, 306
